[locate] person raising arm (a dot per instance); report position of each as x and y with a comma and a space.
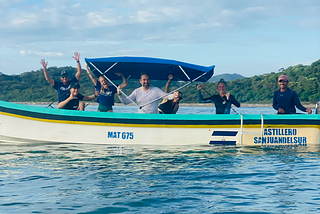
106, 92
62, 86
222, 101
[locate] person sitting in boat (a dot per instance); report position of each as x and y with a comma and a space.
170, 106
106, 95
146, 96
285, 99
63, 86
72, 102
222, 101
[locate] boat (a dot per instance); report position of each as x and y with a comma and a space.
31, 124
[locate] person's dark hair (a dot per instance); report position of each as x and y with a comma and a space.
75, 85
144, 73
222, 81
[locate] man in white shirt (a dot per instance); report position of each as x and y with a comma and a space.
144, 95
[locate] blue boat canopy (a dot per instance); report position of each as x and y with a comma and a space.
158, 69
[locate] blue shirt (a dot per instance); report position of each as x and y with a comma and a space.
287, 100
63, 90
107, 97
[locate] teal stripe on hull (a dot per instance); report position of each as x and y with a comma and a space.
134, 118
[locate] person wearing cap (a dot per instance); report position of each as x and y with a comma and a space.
170, 106
222, 101
63, 86
106, 92
285, 100
72, 102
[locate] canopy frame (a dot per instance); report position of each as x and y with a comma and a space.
197, 71
103, 74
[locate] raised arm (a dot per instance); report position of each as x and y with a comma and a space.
77, 58
168, 83
94, 80
46, 74
201, 99
124, 83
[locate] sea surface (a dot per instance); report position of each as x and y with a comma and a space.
83, 178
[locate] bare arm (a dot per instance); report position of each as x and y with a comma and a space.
168, 83
77, 57
94, 80
124, 83
63, 103
46, 74
91, 97
88, 98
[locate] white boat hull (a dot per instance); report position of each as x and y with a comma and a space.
21, 123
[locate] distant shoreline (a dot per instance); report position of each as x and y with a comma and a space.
307, 105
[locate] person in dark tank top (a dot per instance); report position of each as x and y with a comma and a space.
170, 106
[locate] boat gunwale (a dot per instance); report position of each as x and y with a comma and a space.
50, 114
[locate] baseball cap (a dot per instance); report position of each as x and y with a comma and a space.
283, 77
64, 73
74, 85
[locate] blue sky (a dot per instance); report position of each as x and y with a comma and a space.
248, 37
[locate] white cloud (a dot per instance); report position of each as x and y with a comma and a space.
136, 20
145, 16
76, 5
56, 28
100, 19
41, 54
22, 21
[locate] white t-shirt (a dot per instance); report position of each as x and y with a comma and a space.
142, 98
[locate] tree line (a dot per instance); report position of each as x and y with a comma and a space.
304, 79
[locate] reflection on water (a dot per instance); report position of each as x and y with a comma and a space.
80, 178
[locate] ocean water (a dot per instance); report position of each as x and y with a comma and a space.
81, 178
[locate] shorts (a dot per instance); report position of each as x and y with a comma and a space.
104, 108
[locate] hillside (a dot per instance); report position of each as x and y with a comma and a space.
305, 80
226, 77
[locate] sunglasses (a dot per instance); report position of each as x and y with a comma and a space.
282, 81
64, 76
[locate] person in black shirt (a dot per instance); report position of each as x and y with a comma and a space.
285, 99
62, 86
72, 102
170, 106
222, 101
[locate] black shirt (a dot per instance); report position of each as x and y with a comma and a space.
73, 104
220, 102
167, 107
287, 100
